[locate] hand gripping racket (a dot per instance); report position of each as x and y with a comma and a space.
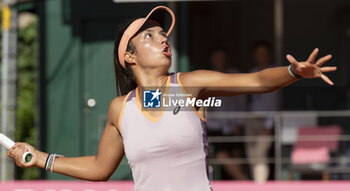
8, 143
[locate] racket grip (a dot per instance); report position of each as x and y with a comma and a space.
27, 157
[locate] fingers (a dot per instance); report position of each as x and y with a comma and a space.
313, 56
324, 77
328, 69
327, 80
16, 153
310, 69
12, 150
323, 60
292, 60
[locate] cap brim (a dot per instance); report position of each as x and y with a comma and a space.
164, 16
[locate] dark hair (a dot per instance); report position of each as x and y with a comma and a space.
219, 47
124, 77
262, 43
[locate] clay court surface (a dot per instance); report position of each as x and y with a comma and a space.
217, 186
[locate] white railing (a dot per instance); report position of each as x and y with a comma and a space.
278, 116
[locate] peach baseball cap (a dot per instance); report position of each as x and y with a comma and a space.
157, 14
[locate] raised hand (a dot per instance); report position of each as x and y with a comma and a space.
312, 69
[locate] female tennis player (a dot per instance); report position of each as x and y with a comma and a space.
166, 150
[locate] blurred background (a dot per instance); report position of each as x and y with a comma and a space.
58, 80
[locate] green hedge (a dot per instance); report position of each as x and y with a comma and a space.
26, 93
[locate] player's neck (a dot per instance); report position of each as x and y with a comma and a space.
151, 82
144, 80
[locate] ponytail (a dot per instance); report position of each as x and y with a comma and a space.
125, 78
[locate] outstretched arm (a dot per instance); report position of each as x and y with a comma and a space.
93, 168
211, 83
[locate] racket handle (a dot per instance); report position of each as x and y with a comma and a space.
27, 157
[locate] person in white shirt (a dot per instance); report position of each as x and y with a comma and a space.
257, 151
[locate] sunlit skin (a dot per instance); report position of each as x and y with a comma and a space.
150, 65
149, 62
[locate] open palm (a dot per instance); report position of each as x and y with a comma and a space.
312, 69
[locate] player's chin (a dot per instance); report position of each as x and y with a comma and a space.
167, 60
164, 63
167, 66
168, 63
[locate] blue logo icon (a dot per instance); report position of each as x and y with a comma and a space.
151, 98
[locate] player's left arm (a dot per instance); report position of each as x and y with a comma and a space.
213, 83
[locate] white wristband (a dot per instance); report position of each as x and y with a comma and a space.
292, 73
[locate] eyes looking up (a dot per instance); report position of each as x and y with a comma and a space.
150, 34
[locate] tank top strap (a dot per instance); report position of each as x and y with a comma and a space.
132, 95
173, 78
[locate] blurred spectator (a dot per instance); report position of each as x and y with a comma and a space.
257, 148
227, 127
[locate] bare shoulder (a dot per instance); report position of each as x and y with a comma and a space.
114, 109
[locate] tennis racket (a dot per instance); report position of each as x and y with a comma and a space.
8, 143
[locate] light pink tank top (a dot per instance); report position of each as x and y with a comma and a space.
168, 153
